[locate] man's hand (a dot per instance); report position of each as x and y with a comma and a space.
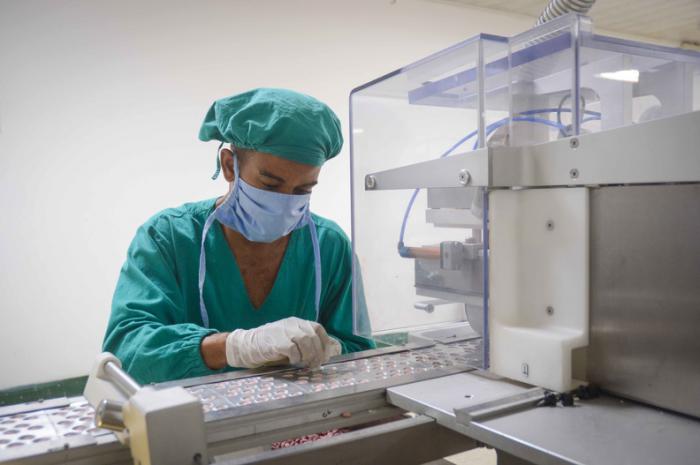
291, 340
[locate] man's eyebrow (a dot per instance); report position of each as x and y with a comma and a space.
267, 174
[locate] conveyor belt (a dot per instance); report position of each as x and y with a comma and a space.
292, 383
29, 431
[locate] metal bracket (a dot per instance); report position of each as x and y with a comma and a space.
459, 170
659, 151
500, 406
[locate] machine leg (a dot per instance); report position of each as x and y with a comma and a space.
504, 458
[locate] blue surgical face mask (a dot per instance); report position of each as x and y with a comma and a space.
260, 215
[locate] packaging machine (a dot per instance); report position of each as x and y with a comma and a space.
525, 221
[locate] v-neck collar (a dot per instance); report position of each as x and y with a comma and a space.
220, 238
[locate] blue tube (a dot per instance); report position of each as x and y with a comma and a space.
403, 251
556, 110
529, 119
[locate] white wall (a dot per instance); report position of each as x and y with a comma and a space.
100, 105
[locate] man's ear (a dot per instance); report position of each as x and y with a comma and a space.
226, 158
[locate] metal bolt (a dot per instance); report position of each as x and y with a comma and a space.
550, 310
467, 396
525, 369
370, 182
464, 177
425, 306
573, 173
550, 225
573, 143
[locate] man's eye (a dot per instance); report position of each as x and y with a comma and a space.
270, 187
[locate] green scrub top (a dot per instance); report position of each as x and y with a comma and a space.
155, 327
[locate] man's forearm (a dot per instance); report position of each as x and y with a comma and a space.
213, 350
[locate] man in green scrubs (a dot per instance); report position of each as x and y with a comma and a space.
251, 278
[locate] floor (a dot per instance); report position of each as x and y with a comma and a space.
480, 456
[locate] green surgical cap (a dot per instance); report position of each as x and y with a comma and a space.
276, 121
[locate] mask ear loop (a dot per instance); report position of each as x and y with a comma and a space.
207, 225
317, 263
218, 162
235, 169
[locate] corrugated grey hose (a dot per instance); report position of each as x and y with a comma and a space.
561, 7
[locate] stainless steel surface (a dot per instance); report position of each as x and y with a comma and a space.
440, 397
48, 427
645, 293
108, 415
503, 458
406, 441
604, 431
454, 208
452, 255
442, 172
453, 218
451, 198
121, 379
659, 151
513, 402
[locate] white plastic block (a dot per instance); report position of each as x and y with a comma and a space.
538, 283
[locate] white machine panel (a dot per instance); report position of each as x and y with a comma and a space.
538, 307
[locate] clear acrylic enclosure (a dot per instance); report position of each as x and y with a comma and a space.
419, 253
421, 263
562, 69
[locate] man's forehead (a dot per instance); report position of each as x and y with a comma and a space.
278, 168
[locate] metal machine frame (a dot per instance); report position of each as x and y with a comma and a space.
661, 151
455, 405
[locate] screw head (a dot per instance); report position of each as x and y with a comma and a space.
573, 142
550, 310
370, 182
573, 173
550, 225
464, 177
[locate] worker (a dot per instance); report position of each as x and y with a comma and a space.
251, 278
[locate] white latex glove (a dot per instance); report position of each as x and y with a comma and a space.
291, 340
